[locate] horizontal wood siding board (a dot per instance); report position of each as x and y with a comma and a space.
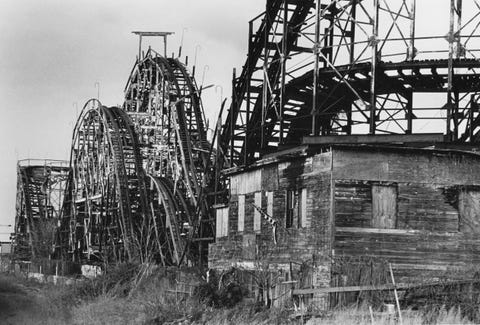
398, 286
412, 252
353, 203
397, 166
295, 245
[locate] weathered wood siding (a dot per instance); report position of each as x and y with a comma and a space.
296, 245
417, 209
414, 254
437, 209
353, 204
407, 166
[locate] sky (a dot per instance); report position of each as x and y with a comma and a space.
53, 52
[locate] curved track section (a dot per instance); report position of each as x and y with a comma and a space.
169, 209
164, 104
107, 212
339, 67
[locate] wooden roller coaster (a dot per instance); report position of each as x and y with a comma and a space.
143, 177
40, 190
140, 174
341, 68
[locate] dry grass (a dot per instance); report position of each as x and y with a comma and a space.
362, 316
125, 298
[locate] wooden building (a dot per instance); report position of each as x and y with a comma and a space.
418, 209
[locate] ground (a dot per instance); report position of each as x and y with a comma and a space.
96, 302
19, 304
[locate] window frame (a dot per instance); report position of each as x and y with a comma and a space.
241, 213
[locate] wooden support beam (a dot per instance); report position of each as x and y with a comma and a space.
345, 289
381, 287
374, 139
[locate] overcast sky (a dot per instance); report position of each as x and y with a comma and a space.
52, 52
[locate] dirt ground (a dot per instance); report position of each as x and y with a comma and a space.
19, 303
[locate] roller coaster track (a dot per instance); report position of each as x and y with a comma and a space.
140, 174
335, 67
106, 208
143, 178
264, 55
164, 103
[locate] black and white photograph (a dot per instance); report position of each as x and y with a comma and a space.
240, 162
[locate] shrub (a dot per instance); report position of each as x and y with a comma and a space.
221, 292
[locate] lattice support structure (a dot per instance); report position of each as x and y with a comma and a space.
40, 189
106, 215
164, 102
141, 175
353, 67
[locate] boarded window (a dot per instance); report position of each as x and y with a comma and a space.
257, 217
270, 204
302, 208
222, 222
241, 212
384, 206
469, 211
289, 208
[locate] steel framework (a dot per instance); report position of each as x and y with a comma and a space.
352, 67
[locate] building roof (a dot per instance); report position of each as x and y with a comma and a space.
309, 148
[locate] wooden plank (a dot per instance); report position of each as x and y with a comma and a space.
383, 287
391, 231
384, 206
241, 213
469, 208
344, 289
377, 138
257, 218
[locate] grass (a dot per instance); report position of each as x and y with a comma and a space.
132, 295
362, 316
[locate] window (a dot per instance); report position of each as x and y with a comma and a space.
289, 208
384, 206
222, 222
257, 217
241, 212
270, 204
469, 211
302, 208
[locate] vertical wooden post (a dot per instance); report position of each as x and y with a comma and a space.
353, 13
268, 22
459, 29
165, 46
373, 81
396, 294
316, 47
411, 50
250, 69
236, 109
470, 117
283, 57
409, 109
139, 47
450, 69
371, 314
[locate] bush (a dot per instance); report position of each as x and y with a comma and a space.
221, 292
206, 293
231, 295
